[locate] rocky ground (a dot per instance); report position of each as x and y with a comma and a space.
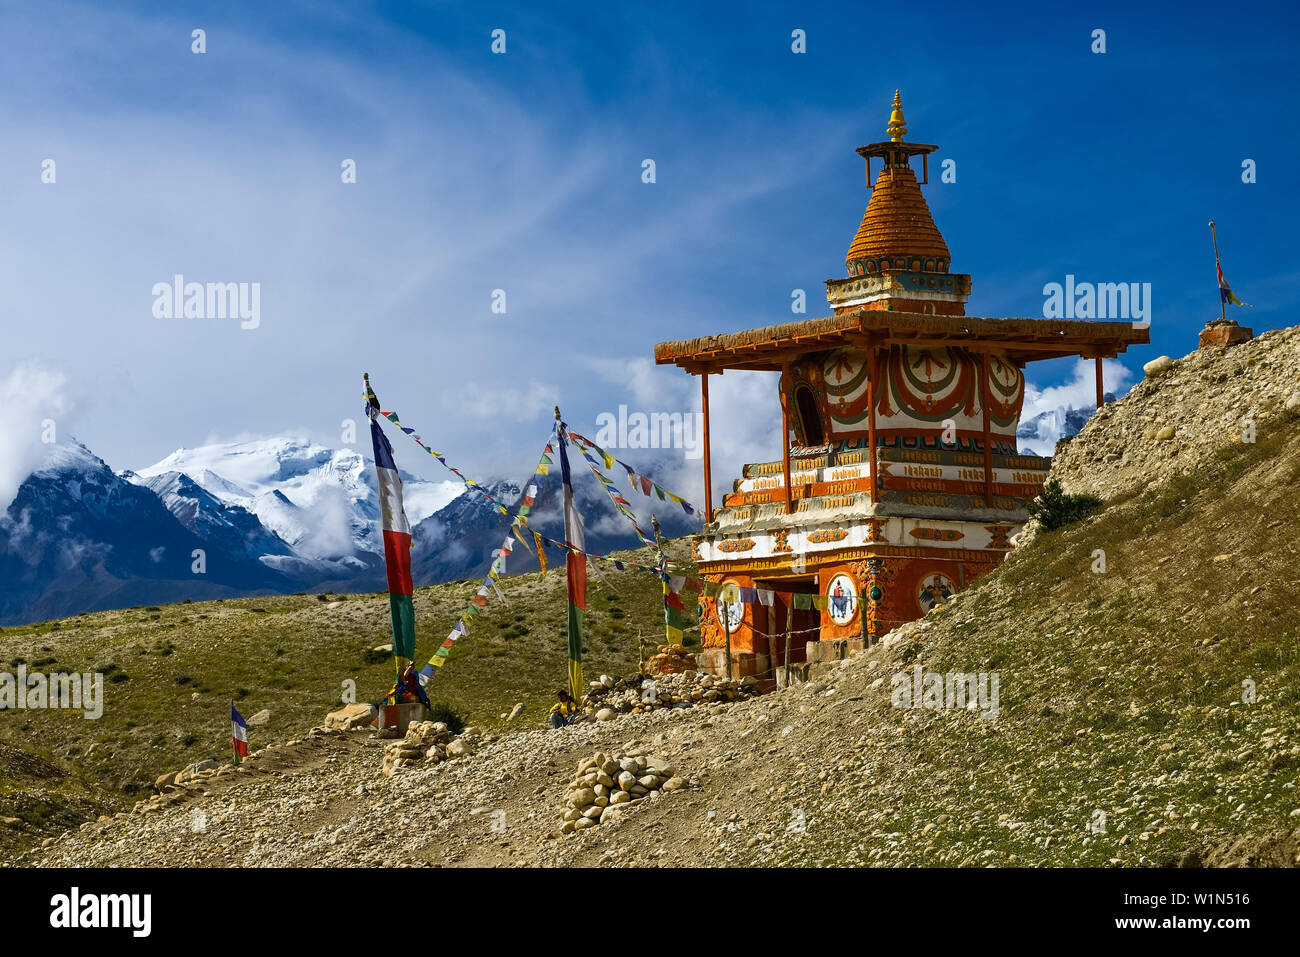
1182, 413
825, 773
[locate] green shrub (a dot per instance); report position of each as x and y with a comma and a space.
1054, 508
441, 711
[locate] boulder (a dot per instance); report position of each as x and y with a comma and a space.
351, 716
604, 714
1158, 366
516, 711
582, 797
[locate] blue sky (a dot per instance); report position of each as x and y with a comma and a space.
522, 172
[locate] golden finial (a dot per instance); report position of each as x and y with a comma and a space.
897, 125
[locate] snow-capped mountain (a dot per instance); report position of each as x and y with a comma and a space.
458, 540
1040, 433
235, 528
320, 501
78, 537
269, 516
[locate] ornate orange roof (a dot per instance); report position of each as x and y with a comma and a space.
1019, 340
897, 223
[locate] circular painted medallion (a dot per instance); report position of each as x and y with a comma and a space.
935, 590
842, 599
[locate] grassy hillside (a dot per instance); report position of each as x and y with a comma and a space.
1125, 733
1122, 736
171, 672
1121, 695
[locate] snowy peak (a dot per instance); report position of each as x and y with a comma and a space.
1040, 433
321, 501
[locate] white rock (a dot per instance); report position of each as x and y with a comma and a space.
1157, 366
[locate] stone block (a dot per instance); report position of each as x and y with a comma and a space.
1223, 334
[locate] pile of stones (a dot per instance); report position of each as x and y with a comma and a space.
429, 741
670, 660
605, 786
636, 694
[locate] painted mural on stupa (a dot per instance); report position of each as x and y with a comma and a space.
900, 481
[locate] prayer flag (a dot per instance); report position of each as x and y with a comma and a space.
239, 731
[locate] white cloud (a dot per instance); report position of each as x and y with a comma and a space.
744, 421
32, 396
1080, 391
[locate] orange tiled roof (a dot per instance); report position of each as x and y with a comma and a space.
897, 221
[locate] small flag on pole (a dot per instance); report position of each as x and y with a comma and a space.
1225, 291
239, 731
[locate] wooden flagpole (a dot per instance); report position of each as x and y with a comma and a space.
1223, 304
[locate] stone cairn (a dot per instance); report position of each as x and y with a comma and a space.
636, 694
605, 786
429, 741
670, 660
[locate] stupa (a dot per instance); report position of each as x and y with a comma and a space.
900, 482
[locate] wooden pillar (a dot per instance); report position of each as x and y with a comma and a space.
785, 437
985, 393
1101, 396
873, 369
708, 470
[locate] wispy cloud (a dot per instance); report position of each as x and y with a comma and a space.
33, 400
